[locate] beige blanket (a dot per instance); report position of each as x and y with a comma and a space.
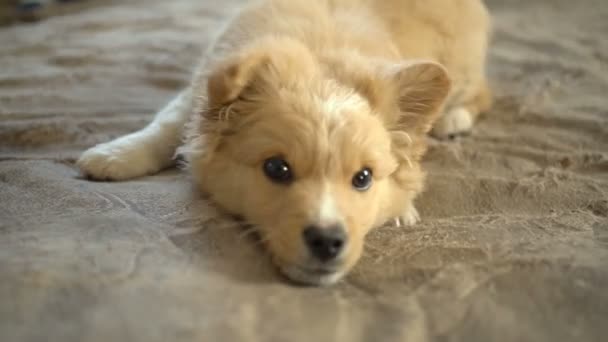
514, 239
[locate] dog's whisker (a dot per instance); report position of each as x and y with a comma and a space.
248, 232
409, 161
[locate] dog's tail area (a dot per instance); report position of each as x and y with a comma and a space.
143, 152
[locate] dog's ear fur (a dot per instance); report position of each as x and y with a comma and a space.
417, 89
229, 79
262, 66
422, 89
409, 96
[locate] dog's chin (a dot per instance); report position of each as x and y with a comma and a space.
317, 277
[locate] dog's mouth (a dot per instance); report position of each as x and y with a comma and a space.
319, 276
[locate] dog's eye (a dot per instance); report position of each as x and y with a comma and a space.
362, 180
277, 170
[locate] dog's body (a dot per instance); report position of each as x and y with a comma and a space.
309, 119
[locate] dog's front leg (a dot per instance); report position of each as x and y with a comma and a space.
409, 217
146, 151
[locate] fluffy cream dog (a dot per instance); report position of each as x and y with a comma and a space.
309, 119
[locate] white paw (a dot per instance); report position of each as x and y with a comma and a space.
409, 217
118, 160
457, 121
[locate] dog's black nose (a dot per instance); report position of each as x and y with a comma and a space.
325, 243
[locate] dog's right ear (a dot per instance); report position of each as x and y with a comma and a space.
228, 80
263, 66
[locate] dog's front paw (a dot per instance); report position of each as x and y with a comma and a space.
457, 121
409, 217
117, 161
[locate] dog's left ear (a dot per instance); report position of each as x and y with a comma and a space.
421, 89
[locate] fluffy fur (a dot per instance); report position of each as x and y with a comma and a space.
331, 86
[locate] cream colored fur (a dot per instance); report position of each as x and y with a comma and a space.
331, 87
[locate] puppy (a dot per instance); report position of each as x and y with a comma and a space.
309, 119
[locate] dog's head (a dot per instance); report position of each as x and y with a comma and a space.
314, 152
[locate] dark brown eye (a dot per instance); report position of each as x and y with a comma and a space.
362, 180
277, 170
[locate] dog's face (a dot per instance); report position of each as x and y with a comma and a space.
308, 155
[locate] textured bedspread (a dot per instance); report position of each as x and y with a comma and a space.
513, 245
